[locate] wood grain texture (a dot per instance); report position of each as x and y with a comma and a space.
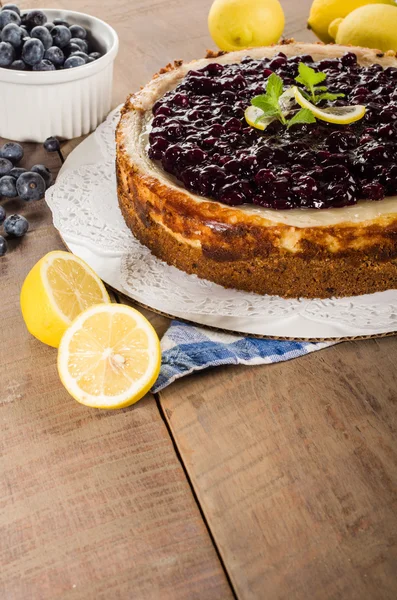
295, 467
93, 504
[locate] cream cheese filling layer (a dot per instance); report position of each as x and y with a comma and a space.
136, 127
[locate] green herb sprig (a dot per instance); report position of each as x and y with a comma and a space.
269, 102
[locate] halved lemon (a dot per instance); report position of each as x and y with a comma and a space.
340, 115
58, 288
109, 357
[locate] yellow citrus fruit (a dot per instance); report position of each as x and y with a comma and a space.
371, 26
57, 289
323, 12
237, 24
340, 115
109, 357
253, 113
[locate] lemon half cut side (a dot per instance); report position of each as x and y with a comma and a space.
109, 357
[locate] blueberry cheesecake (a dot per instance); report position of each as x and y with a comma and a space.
271, 170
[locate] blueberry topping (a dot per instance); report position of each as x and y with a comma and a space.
44, 65
3, 246
32, 52
34, 18
49, 26
2, 215
16, 226
52, 144
61, 36
30, 186
41, 33
9, 16
73, 61
55, 55
44, 172
5, 166
13, 34
200, 136
78, 31
7, 187
7, 54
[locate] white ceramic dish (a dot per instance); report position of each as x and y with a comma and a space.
85, 210
67, 103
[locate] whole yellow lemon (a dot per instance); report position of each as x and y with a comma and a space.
323, 12
237, 24
371, 26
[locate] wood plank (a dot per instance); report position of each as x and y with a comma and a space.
295, 468
94, 504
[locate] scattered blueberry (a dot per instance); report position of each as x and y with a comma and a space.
3, 246
55, 55
2, 215
34, 18
61, 22
5, 166
30, 186
44, 172
73, 61
16, 172
32, 52
41, 33
12, 7
82, 55
13, 34
78, 31
16, 225
95, 55
13, 151
7, 54
18, 65
44, 65
52, 144
7, 187
82, 44
61, 36
9, 16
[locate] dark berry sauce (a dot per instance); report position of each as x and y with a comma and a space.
200, 135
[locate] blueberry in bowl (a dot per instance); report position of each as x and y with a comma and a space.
63, 62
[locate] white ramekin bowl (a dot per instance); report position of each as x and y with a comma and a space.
66, 103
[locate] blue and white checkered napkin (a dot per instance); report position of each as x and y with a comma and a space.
186, 348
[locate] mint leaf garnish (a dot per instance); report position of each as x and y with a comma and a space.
310, 78
303, 116
269, 102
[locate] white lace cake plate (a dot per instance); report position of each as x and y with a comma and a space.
86, 213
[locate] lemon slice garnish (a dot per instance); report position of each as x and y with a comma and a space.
255, 116
57, 289
252, 113
109, 357
340, 115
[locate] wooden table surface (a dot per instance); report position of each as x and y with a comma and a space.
274, 482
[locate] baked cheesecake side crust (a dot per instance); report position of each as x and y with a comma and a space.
244, 251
